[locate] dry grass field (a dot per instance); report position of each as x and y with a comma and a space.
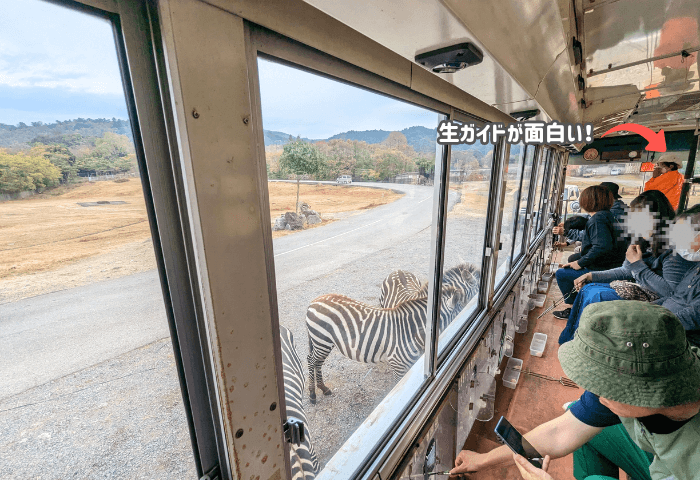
49, 242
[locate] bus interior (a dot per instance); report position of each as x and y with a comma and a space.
217, 94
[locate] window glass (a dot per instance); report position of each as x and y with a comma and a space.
358, 239
465, 231
513, 172
536, 210
580, 174
88, 382
522, 206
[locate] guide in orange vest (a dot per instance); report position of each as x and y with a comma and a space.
667, 179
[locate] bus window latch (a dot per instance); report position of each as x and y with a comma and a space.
294, 431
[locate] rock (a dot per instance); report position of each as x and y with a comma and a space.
294, 221
313, 219
287, 227
280, 223
306, 210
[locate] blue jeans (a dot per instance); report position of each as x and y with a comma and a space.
590, 293
565, 280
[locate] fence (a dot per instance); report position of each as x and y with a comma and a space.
97, 177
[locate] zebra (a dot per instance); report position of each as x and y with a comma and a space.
370, 334
401, 286
303, 458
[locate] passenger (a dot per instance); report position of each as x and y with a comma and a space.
671, 276
600, 249
667, 179
642, 381
575, 233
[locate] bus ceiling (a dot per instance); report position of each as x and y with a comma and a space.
601, 61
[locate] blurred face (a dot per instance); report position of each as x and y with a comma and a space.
685, 234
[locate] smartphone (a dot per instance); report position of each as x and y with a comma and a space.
514, 439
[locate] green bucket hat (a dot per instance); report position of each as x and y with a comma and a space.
634, 353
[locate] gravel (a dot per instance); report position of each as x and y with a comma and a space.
122, 418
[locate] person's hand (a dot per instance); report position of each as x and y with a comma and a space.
634, 253
560, 244
558, 230
573, 265
656, 172
582, 280
467, 461
529, 471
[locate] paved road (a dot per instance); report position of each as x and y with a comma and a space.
49, 336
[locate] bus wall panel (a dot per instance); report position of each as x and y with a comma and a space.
208, 69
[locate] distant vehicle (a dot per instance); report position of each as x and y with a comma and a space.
344, 179
616, 171
590, 172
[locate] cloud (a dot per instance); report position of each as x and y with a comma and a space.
45, 45
31, 104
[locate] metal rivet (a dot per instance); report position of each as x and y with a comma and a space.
645, 345
246, 119
273, 406
195, 113
239, 433
629, 344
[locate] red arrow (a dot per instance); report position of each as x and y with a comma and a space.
657, 141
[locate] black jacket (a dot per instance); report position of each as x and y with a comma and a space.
601, 247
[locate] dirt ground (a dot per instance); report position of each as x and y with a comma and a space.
49, 242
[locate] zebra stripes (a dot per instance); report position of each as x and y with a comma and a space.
370, 334
302, 457
399, 287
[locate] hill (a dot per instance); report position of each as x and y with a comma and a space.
422, 139
67, 132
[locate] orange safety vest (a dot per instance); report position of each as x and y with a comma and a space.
670, 184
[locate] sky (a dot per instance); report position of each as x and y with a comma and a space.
60, 64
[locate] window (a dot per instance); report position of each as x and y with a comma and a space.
537, 197
513, 173
465, 230
546, 186
520, 237
352, 259
89, 371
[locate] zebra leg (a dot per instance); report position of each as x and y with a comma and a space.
317, 356
312, 378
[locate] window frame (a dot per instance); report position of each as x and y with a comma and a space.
523, 250
265, 43
136, 35
516, 214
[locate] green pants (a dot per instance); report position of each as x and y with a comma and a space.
607, 452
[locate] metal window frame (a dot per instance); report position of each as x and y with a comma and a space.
528, 238
523, 251
545, 189
273, 46
135, 27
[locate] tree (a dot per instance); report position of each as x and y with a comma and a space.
300, 158
60, 156
396, 140
19, 173
112, 152
426, 166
